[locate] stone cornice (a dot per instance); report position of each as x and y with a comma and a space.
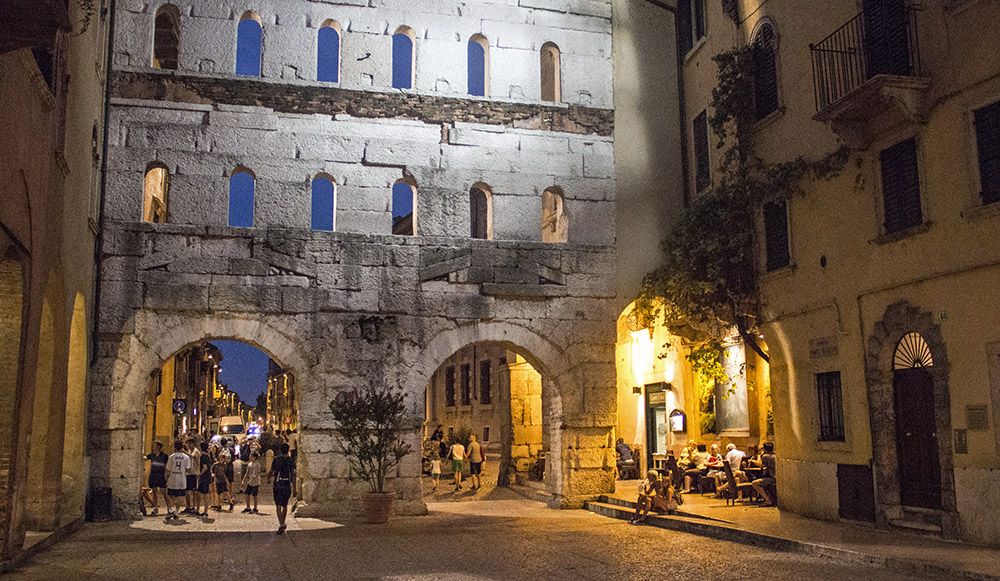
310, 99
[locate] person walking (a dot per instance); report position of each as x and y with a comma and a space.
475, 456
457, 455
251, 481
222, 482
281, 475
157, 474
191, 500
204, 480
176, 471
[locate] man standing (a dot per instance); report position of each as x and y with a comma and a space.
177, 469
194, 456
475, 456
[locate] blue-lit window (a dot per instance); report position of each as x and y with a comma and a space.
478, 66
241, 194
324, 203
249, 37
402, 59
328, 54
403, 209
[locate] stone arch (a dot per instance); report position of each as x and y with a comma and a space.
900, 319
481, 211
139, 355
329, 47
166, 37
555, 218
551, 73
156, 186
547, 358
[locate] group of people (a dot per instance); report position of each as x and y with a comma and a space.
457, 454
206, 473
660, 493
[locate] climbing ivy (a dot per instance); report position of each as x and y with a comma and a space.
709, 279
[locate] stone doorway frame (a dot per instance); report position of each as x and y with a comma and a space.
899, 319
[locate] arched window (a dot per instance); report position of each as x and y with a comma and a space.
249, 42
479, 66
404, 208
154, 197
764, 52
324, 203
481, 211
166, 38
328, 53
551, 74
555, 222
241, 198
912, 351
402, 58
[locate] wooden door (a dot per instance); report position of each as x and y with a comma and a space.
886, 37
916, 438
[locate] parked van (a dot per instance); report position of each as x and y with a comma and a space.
231, 425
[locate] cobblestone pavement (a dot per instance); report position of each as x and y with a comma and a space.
496, 539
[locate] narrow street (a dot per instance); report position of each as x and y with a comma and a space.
506, 538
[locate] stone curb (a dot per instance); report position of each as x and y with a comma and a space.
718, 530
23, 556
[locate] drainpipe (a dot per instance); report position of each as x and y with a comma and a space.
99, 244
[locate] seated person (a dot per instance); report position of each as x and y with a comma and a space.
752, 459
687, 454
624, 454
665, 499
735, 458
648, 489
768, 461
695, 467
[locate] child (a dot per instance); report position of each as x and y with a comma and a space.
251, 481
176, 472
222, 482
435, 472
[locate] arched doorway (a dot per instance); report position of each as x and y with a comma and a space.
223, 400
489, 392
916, 436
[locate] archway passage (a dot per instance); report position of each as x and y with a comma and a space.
486, 393
223, 401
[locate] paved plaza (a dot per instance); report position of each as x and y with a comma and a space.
507, 538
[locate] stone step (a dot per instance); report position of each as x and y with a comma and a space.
916, 525
630, 505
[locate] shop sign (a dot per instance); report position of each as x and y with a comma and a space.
823, 347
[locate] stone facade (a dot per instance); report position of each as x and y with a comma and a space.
359, 306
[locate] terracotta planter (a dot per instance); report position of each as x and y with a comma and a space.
378, 506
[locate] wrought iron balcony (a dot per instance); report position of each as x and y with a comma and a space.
868, 67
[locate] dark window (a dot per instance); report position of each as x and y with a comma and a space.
776, 235
46, 60
166, 37
690, 23
449, 387
901, 186
480, 213
886, 37
988, 142
831, 407
466, 384
702, 169
765, 67
486, 434
485, 382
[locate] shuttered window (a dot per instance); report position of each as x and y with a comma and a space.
449, 387
987, 122
684, 25
776, 235
485, 382
901, 186
831, 407
699, 19
466, 384
702, 164
764, 53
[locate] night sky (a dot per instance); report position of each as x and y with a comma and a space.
244, 369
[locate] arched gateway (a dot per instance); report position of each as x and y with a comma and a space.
341, 311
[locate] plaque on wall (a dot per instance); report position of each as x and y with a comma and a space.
823, 347
961, 441
977, 417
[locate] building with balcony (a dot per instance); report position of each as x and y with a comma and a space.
877, 283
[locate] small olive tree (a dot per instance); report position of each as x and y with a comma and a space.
370, 424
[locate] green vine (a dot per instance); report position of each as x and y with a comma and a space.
710, 279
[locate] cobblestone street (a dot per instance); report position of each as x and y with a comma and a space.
499, 539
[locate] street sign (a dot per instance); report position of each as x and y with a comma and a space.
180, 406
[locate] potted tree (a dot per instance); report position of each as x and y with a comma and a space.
369, 424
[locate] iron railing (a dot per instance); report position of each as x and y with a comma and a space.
862, 48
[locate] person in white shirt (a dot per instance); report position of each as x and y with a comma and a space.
735, 458
435, 472
457, 455
178, 465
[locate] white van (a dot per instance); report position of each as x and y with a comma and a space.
231, 426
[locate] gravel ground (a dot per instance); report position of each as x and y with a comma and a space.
495, 539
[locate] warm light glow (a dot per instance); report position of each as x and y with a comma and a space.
642, 355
